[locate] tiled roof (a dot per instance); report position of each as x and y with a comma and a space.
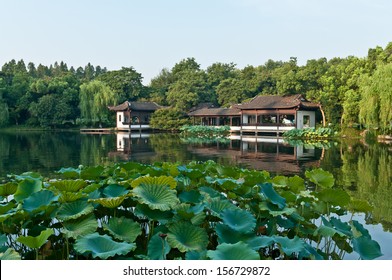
215, 112
136, 106
277, 102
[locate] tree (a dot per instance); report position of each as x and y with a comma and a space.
95, 97
376, 99
125, 83
169, 119
50, 110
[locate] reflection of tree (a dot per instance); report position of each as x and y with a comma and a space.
367, 173
168, 147
94, 149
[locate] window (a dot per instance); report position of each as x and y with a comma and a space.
306, 120
119, 118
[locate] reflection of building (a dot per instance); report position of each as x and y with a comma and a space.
134, 115
264, 113
128, 144
270, 154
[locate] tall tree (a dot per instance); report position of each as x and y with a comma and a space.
95, 97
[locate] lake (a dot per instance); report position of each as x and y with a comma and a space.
363, 169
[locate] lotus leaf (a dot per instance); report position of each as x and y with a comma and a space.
123, 229
71, 196
217, 205
366, 248
109, 202
334, 196
36, 242
342, 227
102, 246
26, 188
74, 210
296, 184
70, 173
158, 248
273, 211
10, 254
291, 246
229, 235
320, 178
68, 185
142, 210
39, 200
327, 231
280, 181
359, 206
114, 190
196, 255
272, 196
239, 220
80, 227
159, 197
187, 237
237, 251
8, 189
161, 181
91, 173
358, 229
4, 208
198, 219
192, 196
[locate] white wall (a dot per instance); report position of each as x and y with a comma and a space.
120, 124
300, 119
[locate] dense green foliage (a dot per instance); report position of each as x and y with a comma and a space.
201, 210
309, 133
352, 91
205, 132
168, 119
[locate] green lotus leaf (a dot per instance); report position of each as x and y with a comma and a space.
102, 246
158, 247
91, 173
142, 210
10, 254
74, 210
209, 193
68, 185
256, 178
70, 173
161, 181
239, 220
237, 251
196, 255
273, 210
342, 227
229, 235
334, 196
359, 206
327, 231
187, 237
123, 229
280, 181
109, 202
4, 208
3, 239
8, 189
28, 175
36, 242
272, 196
39, 200
114, 190
80, 227
358, 229
296, 184
218, 205
71, 196
320, 178
290, 246
198, 219
159, 197
26, 188
192, 196
366, 248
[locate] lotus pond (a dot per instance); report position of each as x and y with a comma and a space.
188, 209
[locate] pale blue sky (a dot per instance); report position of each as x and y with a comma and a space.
152, 34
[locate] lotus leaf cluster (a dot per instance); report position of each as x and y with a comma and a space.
193, 211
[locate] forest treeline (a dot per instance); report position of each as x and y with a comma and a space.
353, 91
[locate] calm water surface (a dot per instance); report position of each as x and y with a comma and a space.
365, 170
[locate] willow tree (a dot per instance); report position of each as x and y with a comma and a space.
4, 115
95, 97
375, 107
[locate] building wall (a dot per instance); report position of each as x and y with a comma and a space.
120, 119
305, 119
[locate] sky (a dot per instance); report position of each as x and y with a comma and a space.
150, 35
